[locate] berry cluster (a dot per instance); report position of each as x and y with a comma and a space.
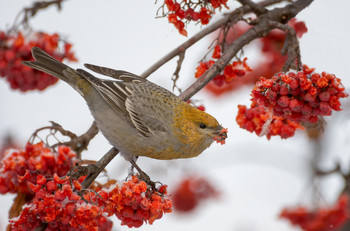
58, 202
15, 48
324, 219
231, 71
261, 121
19, 167
190, 192
134, 202
301, 96
271, 62
185, 11
58, 205
282, 103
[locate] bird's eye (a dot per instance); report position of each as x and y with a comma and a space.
201, 125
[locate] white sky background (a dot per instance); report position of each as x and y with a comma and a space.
256, 177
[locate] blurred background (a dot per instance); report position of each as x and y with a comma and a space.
255, 177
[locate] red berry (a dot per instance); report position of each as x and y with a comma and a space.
15, 48
284, 90
324, 96
296, 105
283, 101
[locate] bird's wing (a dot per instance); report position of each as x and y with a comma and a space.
151, 111
116, 74
121, 96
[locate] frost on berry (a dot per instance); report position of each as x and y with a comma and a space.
301, 96
180, 13
20, 167
15, 48
261, 121
191, 192
134, 202
323, 219
61, 202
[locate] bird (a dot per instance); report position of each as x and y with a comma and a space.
136, 116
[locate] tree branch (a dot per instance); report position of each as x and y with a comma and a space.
265, 23
99, 166
258, 9
290, 47
232, 17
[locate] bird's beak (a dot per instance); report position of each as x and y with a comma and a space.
221, 135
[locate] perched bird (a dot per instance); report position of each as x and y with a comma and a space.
136, 116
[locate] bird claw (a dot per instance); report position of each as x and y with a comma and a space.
143, 176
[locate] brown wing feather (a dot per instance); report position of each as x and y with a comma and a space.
116, 94
116, 74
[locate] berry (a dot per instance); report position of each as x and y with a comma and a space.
15, 48
182, 13
60, 207
133, 202
18, 168
302, 96
323, 219
263, 122
190, 192
231, 71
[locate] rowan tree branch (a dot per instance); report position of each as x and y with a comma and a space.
264, 24
97, 168
258, 9
234, 16
290, 47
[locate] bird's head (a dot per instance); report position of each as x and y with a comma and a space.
209, 127
198, 129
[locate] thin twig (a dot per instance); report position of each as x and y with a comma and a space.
76, 143
80, 143
177, 70
29, 12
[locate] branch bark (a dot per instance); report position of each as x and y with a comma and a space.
100, 165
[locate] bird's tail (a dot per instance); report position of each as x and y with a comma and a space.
46, 63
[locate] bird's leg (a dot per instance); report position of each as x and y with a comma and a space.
131, 171
135, 158
143, 175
